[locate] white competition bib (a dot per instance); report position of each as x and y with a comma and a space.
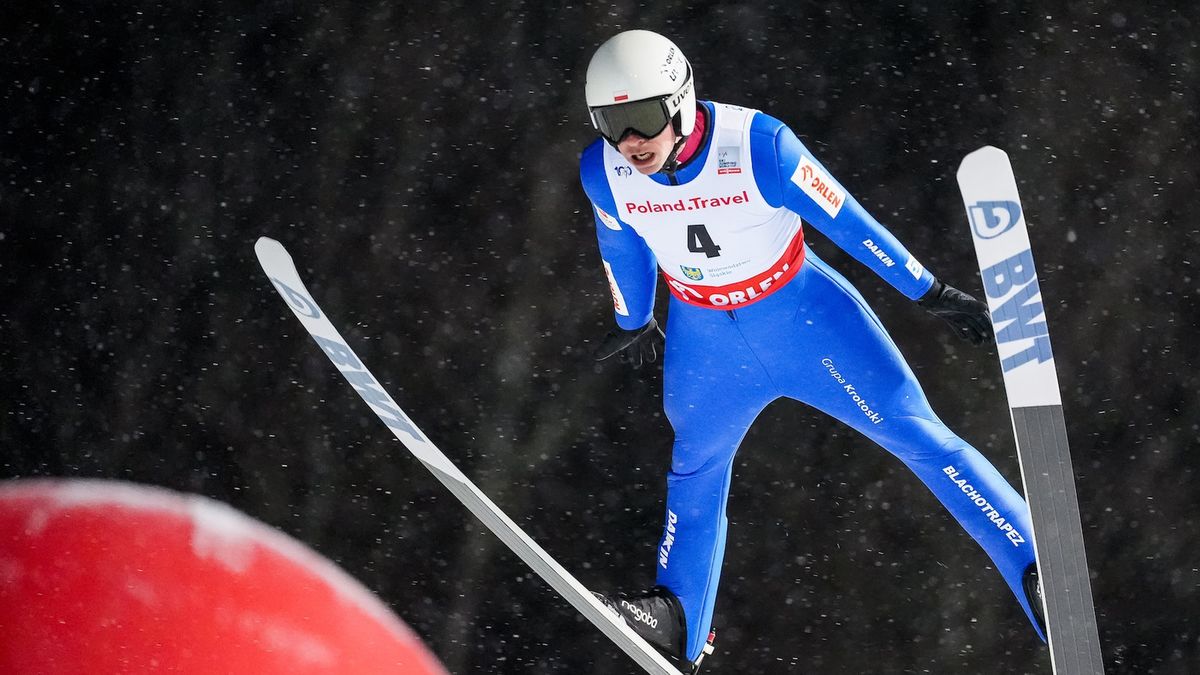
717, 241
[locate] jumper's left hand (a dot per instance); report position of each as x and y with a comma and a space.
967, 316
635, 346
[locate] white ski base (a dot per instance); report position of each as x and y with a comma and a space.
281, 270
1014, 297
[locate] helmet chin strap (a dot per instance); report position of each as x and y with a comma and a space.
672, 164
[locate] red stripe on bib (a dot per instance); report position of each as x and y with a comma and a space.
747, 291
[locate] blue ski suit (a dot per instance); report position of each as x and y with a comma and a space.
755, 315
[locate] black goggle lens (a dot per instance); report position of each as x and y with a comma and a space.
646, 118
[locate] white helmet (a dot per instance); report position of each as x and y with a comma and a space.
640, 81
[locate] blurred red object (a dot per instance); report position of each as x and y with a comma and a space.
110, 577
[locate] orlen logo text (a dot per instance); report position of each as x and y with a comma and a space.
990, 219
819, 186
690, 204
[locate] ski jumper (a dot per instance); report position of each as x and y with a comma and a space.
755, 315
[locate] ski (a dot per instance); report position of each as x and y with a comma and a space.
997, 221
281, 270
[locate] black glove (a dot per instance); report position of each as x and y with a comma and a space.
635, 346
968, 316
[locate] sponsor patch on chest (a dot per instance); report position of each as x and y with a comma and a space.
727, 160
688, 204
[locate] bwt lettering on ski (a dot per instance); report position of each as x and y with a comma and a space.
1011, 286
350, 367
1009, 278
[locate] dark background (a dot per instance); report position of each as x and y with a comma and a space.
419, 160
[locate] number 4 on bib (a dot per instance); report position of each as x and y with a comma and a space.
1010, 281
699, 241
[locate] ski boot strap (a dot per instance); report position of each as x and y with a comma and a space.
708, 649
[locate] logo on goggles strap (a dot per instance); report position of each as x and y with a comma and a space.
677, 99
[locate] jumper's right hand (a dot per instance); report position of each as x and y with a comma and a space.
637, 346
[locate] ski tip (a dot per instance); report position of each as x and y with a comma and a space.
987, 152
266, 243
987, 156
268, 250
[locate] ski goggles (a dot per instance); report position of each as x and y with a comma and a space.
646, 118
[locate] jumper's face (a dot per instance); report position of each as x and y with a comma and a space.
648, 155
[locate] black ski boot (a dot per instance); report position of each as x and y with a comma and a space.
1033, 592
657, 616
